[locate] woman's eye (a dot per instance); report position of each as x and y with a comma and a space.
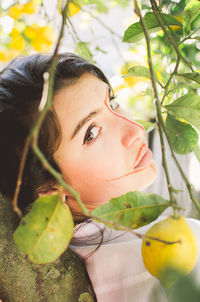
113, 104
92, 133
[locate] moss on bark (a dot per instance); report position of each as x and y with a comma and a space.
64, 280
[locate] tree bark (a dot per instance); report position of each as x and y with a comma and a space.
64, 280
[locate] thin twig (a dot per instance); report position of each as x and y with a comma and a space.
170, 78
41, 116
73, 29
59, 177
161, 124
188, 185
128, 229
34, 133
157, 102
19, 177
190, 36
39, 119
161, 22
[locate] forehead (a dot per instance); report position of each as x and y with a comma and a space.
74, 102
80, 92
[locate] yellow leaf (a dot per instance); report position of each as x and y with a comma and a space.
159, 75
30, 32
15, 11
176, 27
3, 57
73, 9
7, 55
42, 37
29, 8
15, 33
40, 45
17, 43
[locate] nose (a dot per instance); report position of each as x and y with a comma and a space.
131, 131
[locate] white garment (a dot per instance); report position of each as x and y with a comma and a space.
116, 268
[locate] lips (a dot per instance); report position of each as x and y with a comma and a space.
143, 158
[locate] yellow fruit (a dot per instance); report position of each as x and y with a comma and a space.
162, 259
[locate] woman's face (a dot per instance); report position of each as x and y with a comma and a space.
102, 153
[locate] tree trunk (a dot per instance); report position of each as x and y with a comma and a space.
64, 280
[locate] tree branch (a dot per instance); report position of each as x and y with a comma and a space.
160, 20
45, 105
161, 125
158, 106
127, 229
170, 79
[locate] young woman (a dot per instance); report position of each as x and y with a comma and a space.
100, 151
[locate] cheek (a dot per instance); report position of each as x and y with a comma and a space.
88, 180
87, 173
98, 165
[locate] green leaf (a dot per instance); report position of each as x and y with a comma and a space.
148, 126
45, 232
139, 71
182, 84
190, 13
83, 50
182, 136
195, 24
133, 209
135, 32
197, 152
193, 76
187, 107
185, 289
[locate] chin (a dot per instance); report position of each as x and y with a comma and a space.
149, 177
134, 183
142, 179
116, 188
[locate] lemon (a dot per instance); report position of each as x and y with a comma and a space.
179, 255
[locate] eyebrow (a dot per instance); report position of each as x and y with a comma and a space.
84, 121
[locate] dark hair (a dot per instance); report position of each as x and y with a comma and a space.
21, 86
